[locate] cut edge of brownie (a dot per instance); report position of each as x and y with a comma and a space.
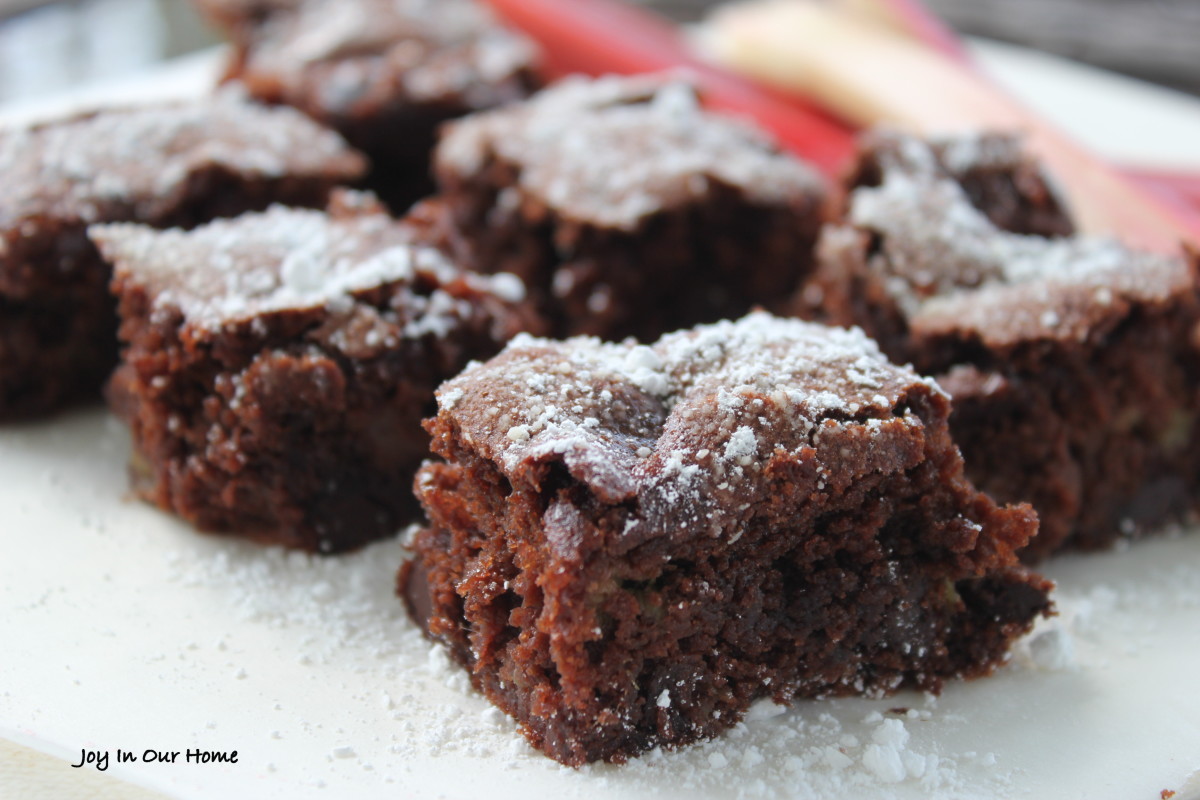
628, 209
279, 401
57, 319
606, 588
1072, 361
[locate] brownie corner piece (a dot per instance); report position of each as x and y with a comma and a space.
628, 545
277, 366
627, 208
1072, 361
161, 165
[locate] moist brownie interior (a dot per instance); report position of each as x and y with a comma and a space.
1073, 362
630, 544
626, 208
277, 366
162, 165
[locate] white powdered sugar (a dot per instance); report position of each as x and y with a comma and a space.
331, 661
686, 419
742, 446
98, 167
968, 152
283, 259
613, 151
409, 704
939, 250
434, 50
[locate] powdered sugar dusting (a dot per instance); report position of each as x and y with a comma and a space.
742, 446
135, 163
424, 50
696, 415
965, 153
285, 259
332, 661
939, 254
410, 705
616, 150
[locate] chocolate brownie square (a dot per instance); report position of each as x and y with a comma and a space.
277, 366
1074, 363
385, 73
626, 208
163, 165
628, 545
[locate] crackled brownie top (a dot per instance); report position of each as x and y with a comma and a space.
434, 50
138, 161
613, 151
233, 271
688, 424
950, 269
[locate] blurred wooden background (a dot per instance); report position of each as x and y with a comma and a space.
51, 44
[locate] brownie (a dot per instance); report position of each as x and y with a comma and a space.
1073, 362
277, 366
164, 165
385, 73
995, 172
626, 208
628, 545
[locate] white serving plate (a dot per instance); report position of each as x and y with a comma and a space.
122, 628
